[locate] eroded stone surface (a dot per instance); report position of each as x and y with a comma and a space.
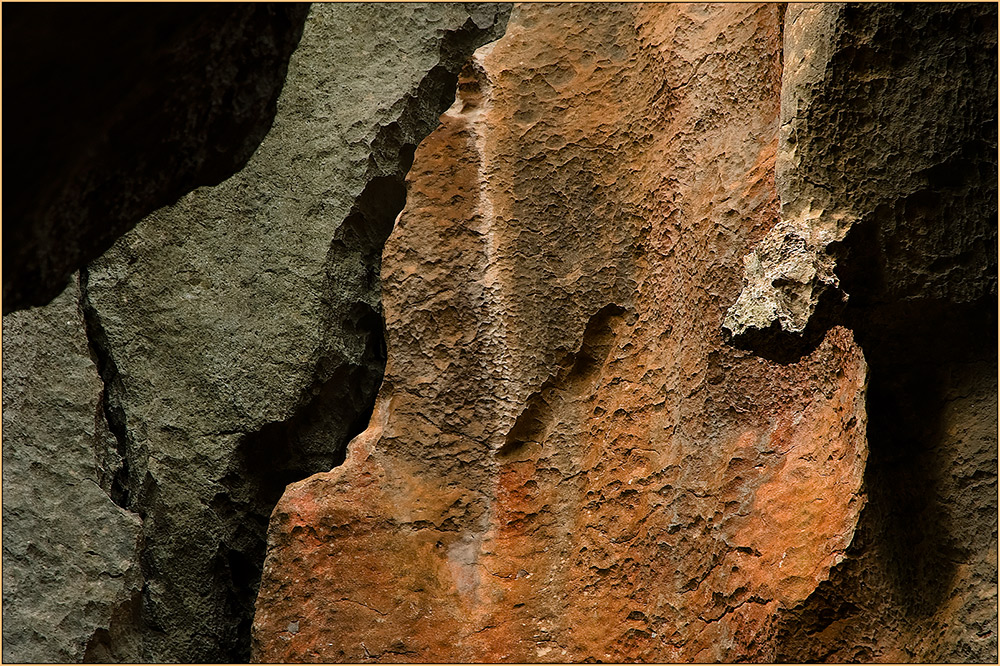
71, 576
240, 329
918, 584
887, 172
566, 461
887, 121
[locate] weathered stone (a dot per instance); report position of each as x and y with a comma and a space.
240, 329
566, 461
888, 122
71, 577
887, 172
919, 582
577, 453
117, 110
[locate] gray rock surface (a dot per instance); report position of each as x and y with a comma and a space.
71, 576
240, 329
121, 109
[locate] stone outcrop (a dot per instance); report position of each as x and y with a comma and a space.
115, 111
566, 460
887, 161
71, 576
671, 340
239, 331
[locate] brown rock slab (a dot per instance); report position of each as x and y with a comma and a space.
566, 461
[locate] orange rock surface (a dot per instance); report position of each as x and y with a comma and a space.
566, 461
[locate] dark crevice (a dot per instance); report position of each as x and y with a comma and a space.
117, 470
342, 398
335, 407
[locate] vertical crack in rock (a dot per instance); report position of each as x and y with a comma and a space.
71, 574
113, 456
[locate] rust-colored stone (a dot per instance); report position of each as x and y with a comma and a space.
566, 461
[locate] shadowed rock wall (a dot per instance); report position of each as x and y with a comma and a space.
239, 331
888, 164
114, 111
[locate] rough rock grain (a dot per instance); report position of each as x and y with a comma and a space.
886, 161
887, 172
241, 327
71, 577
566, 461
114, 111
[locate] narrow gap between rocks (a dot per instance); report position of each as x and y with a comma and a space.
113, 466
335, 408
315, 438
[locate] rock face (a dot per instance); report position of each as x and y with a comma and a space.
240, 329
571, 458
682, 348
71, 577
566, 461
116, 111
887, 163
239, 335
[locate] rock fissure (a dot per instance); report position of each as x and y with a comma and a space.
261, 357
361, 603
114, 473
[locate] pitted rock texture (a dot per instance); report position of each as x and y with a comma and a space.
120, 110
240, 329
919, 582
887, 171
71, 577
566, 461
886, 162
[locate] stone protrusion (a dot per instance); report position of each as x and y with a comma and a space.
883, 162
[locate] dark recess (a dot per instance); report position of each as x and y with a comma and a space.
114, 110
315, 438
